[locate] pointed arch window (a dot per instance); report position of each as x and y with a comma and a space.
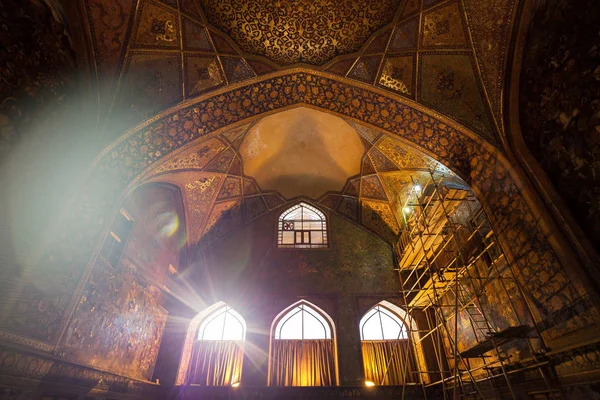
302, 348
214, 348
302, 226
388, 356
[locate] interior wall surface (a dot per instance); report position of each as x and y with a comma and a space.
557, 287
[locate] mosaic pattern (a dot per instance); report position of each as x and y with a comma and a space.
448, 84
200, 194
381, 162
405, 36
485, 168
410, 7
236, 69
195, 36
379, 218
349, 207
224, 218
403, 157
189, 7
352, 187
250, 187
232, 187
109, 20
157, 27
559, 98
273, 200
331, 201
152, 82
222, 162
201, 74
367, 166
365, 69
398, 74
370, 187
379, 43
303, 31
490, 24
195, 158
444, 27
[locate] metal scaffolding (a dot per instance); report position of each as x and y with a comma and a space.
476, 337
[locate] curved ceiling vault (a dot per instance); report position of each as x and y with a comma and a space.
448, 55
246, 171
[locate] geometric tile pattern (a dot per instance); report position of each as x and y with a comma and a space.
300, 31
449, 85
388, 59
443, 27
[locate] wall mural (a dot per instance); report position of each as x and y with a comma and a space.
118, 323
560, 104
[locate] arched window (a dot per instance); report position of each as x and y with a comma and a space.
381, 324
302, 348
223, 324
214, 348
388, 357
302, 226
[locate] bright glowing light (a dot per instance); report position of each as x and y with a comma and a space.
369, 383
235, 384
406, 210
223, 324
170, 224
418, 189
302, 322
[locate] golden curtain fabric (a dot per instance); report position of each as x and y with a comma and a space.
216, 362
393, 356
302, 363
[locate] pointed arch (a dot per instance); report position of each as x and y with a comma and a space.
390, 347
303, 347
302, 226
214, 348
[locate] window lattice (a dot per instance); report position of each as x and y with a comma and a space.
302, 226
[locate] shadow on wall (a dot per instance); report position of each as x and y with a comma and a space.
560, 104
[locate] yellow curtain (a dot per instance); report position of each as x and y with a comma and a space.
302, 363
216, 362
388, 362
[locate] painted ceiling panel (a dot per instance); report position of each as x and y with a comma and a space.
275, 34
490, 23
157, 27
301, 152
217, 200
301, 31
449, 85
202, 73
443, 27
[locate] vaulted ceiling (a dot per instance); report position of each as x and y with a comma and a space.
448, 55
220, 194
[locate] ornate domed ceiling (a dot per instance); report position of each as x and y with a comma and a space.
447, 55
301, 152
233, 178
300, 31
